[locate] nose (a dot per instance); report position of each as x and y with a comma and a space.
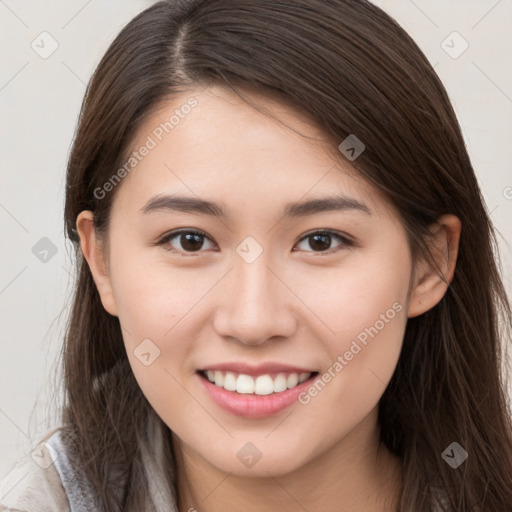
257, 304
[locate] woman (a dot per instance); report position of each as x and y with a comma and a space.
287, 293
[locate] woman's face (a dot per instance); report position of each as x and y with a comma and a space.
255, 293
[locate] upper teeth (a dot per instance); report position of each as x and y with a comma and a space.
261, 385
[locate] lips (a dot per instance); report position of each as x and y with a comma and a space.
255, 391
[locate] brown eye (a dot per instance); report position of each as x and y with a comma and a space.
188, 241
320, 241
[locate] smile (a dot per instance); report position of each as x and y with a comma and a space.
254, 396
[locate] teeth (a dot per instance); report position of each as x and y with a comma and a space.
303, 377
245, 384
218, 379
229, 381
280, 383
264, 385
261, 385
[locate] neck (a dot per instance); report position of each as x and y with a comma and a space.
358, 474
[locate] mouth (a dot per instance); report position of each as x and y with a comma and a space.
254, 396
261, 385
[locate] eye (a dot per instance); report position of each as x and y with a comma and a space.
190, 240
322, 239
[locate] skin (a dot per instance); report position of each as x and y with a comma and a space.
294, 304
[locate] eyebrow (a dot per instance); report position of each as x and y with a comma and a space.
199, 206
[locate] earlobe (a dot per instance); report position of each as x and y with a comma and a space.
94, 255
431, 283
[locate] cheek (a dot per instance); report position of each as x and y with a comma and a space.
155, 297
370, 306
358, 294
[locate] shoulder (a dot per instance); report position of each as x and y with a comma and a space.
34, 484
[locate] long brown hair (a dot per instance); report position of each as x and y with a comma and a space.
352, 69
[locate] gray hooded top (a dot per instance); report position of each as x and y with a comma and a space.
46, 481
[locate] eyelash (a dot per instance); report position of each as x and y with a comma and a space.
345, 241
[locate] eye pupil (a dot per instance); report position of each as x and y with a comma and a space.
193, 241
321, 246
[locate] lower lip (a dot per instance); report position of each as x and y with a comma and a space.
254, 406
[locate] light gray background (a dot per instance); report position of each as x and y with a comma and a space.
40, 100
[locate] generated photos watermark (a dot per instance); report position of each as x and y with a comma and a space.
152, 140
356, 347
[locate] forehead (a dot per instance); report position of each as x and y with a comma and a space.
208, 142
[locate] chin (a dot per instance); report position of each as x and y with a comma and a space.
250, 461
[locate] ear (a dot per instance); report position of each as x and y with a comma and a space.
94, 253
429, 283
